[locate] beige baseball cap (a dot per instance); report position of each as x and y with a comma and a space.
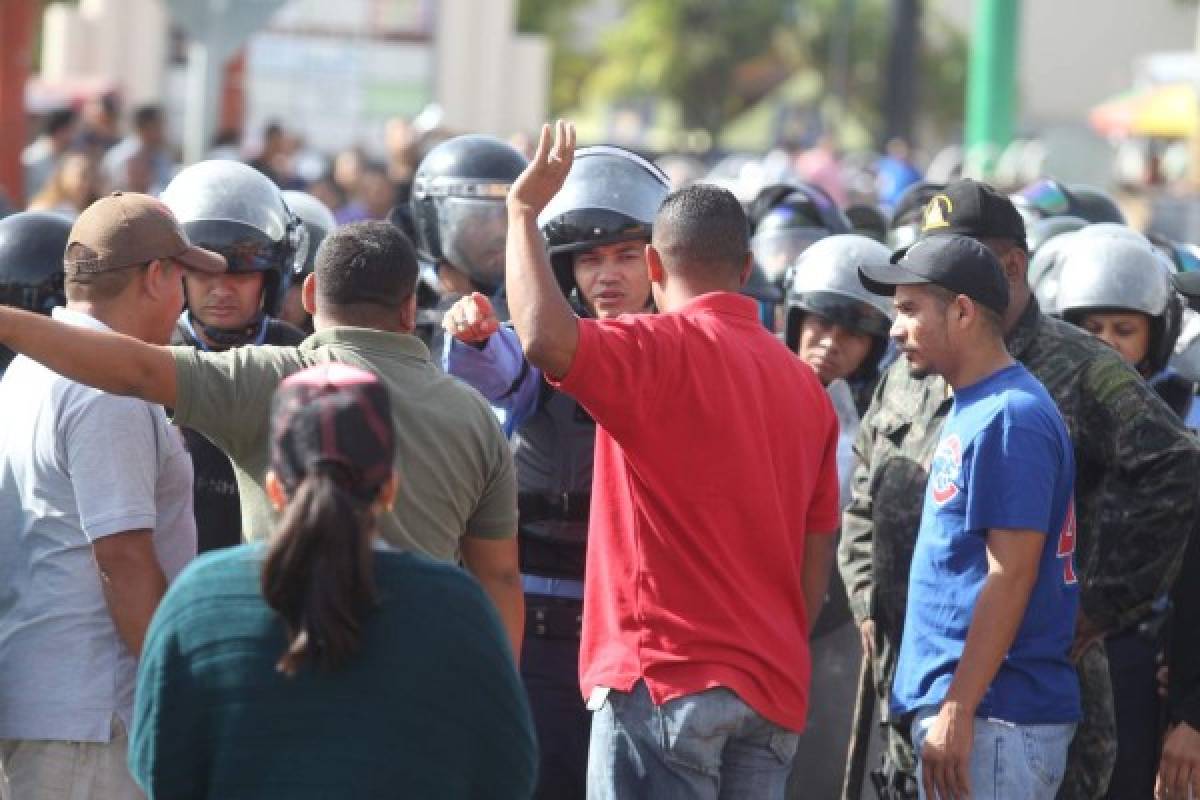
125, 229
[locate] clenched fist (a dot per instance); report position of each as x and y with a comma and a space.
472, 319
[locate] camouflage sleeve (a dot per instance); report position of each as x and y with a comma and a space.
858, 527
1147, 502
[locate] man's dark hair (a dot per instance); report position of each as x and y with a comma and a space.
144, 116
702, 226
370, 266
58, 121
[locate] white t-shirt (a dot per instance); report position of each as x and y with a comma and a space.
76, 465
848, 423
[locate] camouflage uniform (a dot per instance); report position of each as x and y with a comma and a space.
1137, 486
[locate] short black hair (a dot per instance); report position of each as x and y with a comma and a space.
57, 121
703, 225
146, 115
366, 263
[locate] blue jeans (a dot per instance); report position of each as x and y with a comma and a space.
1007, 761
705, 745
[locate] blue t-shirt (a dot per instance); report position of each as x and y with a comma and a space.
1004, 461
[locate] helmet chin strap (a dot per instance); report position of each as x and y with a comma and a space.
228, 337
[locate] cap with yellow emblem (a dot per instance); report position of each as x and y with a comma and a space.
974, 209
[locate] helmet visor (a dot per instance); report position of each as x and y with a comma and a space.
775, 251
849, 312
472, 232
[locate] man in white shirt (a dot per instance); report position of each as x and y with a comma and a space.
95, 516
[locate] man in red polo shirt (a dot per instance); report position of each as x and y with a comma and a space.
714, 500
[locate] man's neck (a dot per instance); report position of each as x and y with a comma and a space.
677, 294
114, 315
1016, 308
993, 359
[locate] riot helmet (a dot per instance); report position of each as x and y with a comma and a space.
909, 213
458, 205
785, 219
825, 282
32, 244
611, 195
1044, 268
318, 221
1051, 198
1106, 274
233, 209
1043, 230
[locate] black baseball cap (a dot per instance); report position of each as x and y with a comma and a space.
953, 261
338, 418
973, 209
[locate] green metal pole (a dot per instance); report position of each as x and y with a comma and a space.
992, 80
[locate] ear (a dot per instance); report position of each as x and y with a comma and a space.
156, 277
308, 294
1016, 264
408, 314
275, 492
654, 265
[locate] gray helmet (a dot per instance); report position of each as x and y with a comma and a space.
1043, 230
233, 209
317, 219
825, 282
1046, 264
611, 195
1102, 273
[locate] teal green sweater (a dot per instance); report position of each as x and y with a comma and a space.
430, 707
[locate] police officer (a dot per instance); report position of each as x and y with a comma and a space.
596, 229
318, 222
457, 208
32, 244
1045, 265
841, 330
1120, 291
1137, 489
784, 220
236, 211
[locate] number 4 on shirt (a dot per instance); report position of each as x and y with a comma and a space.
1066, 546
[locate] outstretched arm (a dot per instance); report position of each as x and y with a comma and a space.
545, 323
112, 362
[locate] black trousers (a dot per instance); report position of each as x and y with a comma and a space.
1131, 664
550, 671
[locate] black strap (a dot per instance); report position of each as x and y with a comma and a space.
567, 506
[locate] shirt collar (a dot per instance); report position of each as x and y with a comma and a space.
1026, 330
734, 303
78, 318
384, 342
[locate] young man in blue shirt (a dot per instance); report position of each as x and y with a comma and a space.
983, 670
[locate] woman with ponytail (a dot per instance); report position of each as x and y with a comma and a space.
321, 664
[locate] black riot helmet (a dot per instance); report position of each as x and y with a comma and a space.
611, 195
909, 212
318, 221
32, 244
868, 220
1051, 198
458, 205
233, 209
785, 219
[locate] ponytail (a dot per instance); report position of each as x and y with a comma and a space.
319, 573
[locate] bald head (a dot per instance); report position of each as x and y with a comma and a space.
701, 233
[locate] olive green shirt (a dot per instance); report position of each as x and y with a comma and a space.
456, 471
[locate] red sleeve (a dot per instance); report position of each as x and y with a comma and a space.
616, 371
824, 512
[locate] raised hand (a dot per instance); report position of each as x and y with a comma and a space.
547, 170
472, 319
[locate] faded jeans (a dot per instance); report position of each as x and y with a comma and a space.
704, 745
1007, 761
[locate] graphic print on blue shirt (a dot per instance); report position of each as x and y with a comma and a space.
1004, 461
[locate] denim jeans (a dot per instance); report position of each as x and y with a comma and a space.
704, 745
1008, 761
